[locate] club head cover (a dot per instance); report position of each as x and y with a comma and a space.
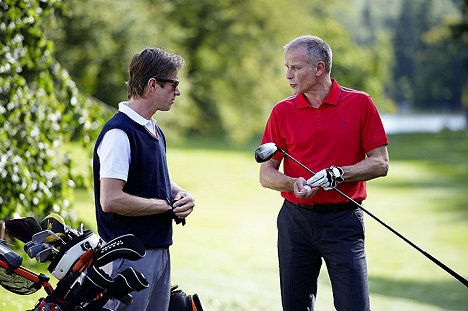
125, 282
126, 246
133, 279
55, 223
94, 282
98, 277
22, 228
10, 257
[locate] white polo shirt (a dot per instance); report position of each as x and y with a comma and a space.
114, 149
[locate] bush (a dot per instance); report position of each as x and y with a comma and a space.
40, 110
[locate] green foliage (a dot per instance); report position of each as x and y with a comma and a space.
429, 68
233, 50
40, 110
95, 44
235, 58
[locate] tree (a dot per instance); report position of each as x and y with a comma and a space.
427, 71
233, 52
40, 110
236, 58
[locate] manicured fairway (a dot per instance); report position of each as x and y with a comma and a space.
227, 251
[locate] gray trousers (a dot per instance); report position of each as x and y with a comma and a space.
304, 238
156, 267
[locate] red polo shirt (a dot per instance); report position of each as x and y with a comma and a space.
339, 132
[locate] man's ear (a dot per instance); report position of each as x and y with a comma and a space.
151, 84
320, 68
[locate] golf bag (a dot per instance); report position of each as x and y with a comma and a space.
180, 301
75, 258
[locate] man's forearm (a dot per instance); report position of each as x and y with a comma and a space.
271, 178
375, 165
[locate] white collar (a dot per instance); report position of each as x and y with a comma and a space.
132, 114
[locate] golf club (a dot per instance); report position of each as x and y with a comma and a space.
32, 249
46, 235
45, 254
266, 151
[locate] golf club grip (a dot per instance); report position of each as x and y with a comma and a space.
432, 258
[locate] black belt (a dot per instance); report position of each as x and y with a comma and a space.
325, 208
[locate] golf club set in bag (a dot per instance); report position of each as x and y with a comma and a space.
76, 258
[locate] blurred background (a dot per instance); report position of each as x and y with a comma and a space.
63, 68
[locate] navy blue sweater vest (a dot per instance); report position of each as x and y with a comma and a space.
148, 177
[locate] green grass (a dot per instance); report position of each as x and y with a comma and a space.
227, 251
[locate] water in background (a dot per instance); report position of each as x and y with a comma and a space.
424, 123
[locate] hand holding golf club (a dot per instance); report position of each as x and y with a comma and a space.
327, 178
302, 190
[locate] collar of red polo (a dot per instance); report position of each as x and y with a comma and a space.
332, 98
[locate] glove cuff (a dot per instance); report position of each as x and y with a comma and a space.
338, 172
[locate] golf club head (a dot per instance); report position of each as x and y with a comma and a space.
32, 249
46, 236
27, 246
45, 254
22, 228
265, 152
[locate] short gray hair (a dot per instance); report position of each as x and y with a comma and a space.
318, 49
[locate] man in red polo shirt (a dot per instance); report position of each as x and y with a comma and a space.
336, 132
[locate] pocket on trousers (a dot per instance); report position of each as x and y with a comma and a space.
359, 216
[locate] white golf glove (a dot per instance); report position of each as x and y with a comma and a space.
327, 178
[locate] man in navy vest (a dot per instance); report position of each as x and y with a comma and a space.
132, 189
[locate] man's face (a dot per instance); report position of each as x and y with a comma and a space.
300, 72
166, 93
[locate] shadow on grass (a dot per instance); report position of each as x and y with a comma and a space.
447, 295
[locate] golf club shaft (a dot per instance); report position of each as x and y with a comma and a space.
432, 258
